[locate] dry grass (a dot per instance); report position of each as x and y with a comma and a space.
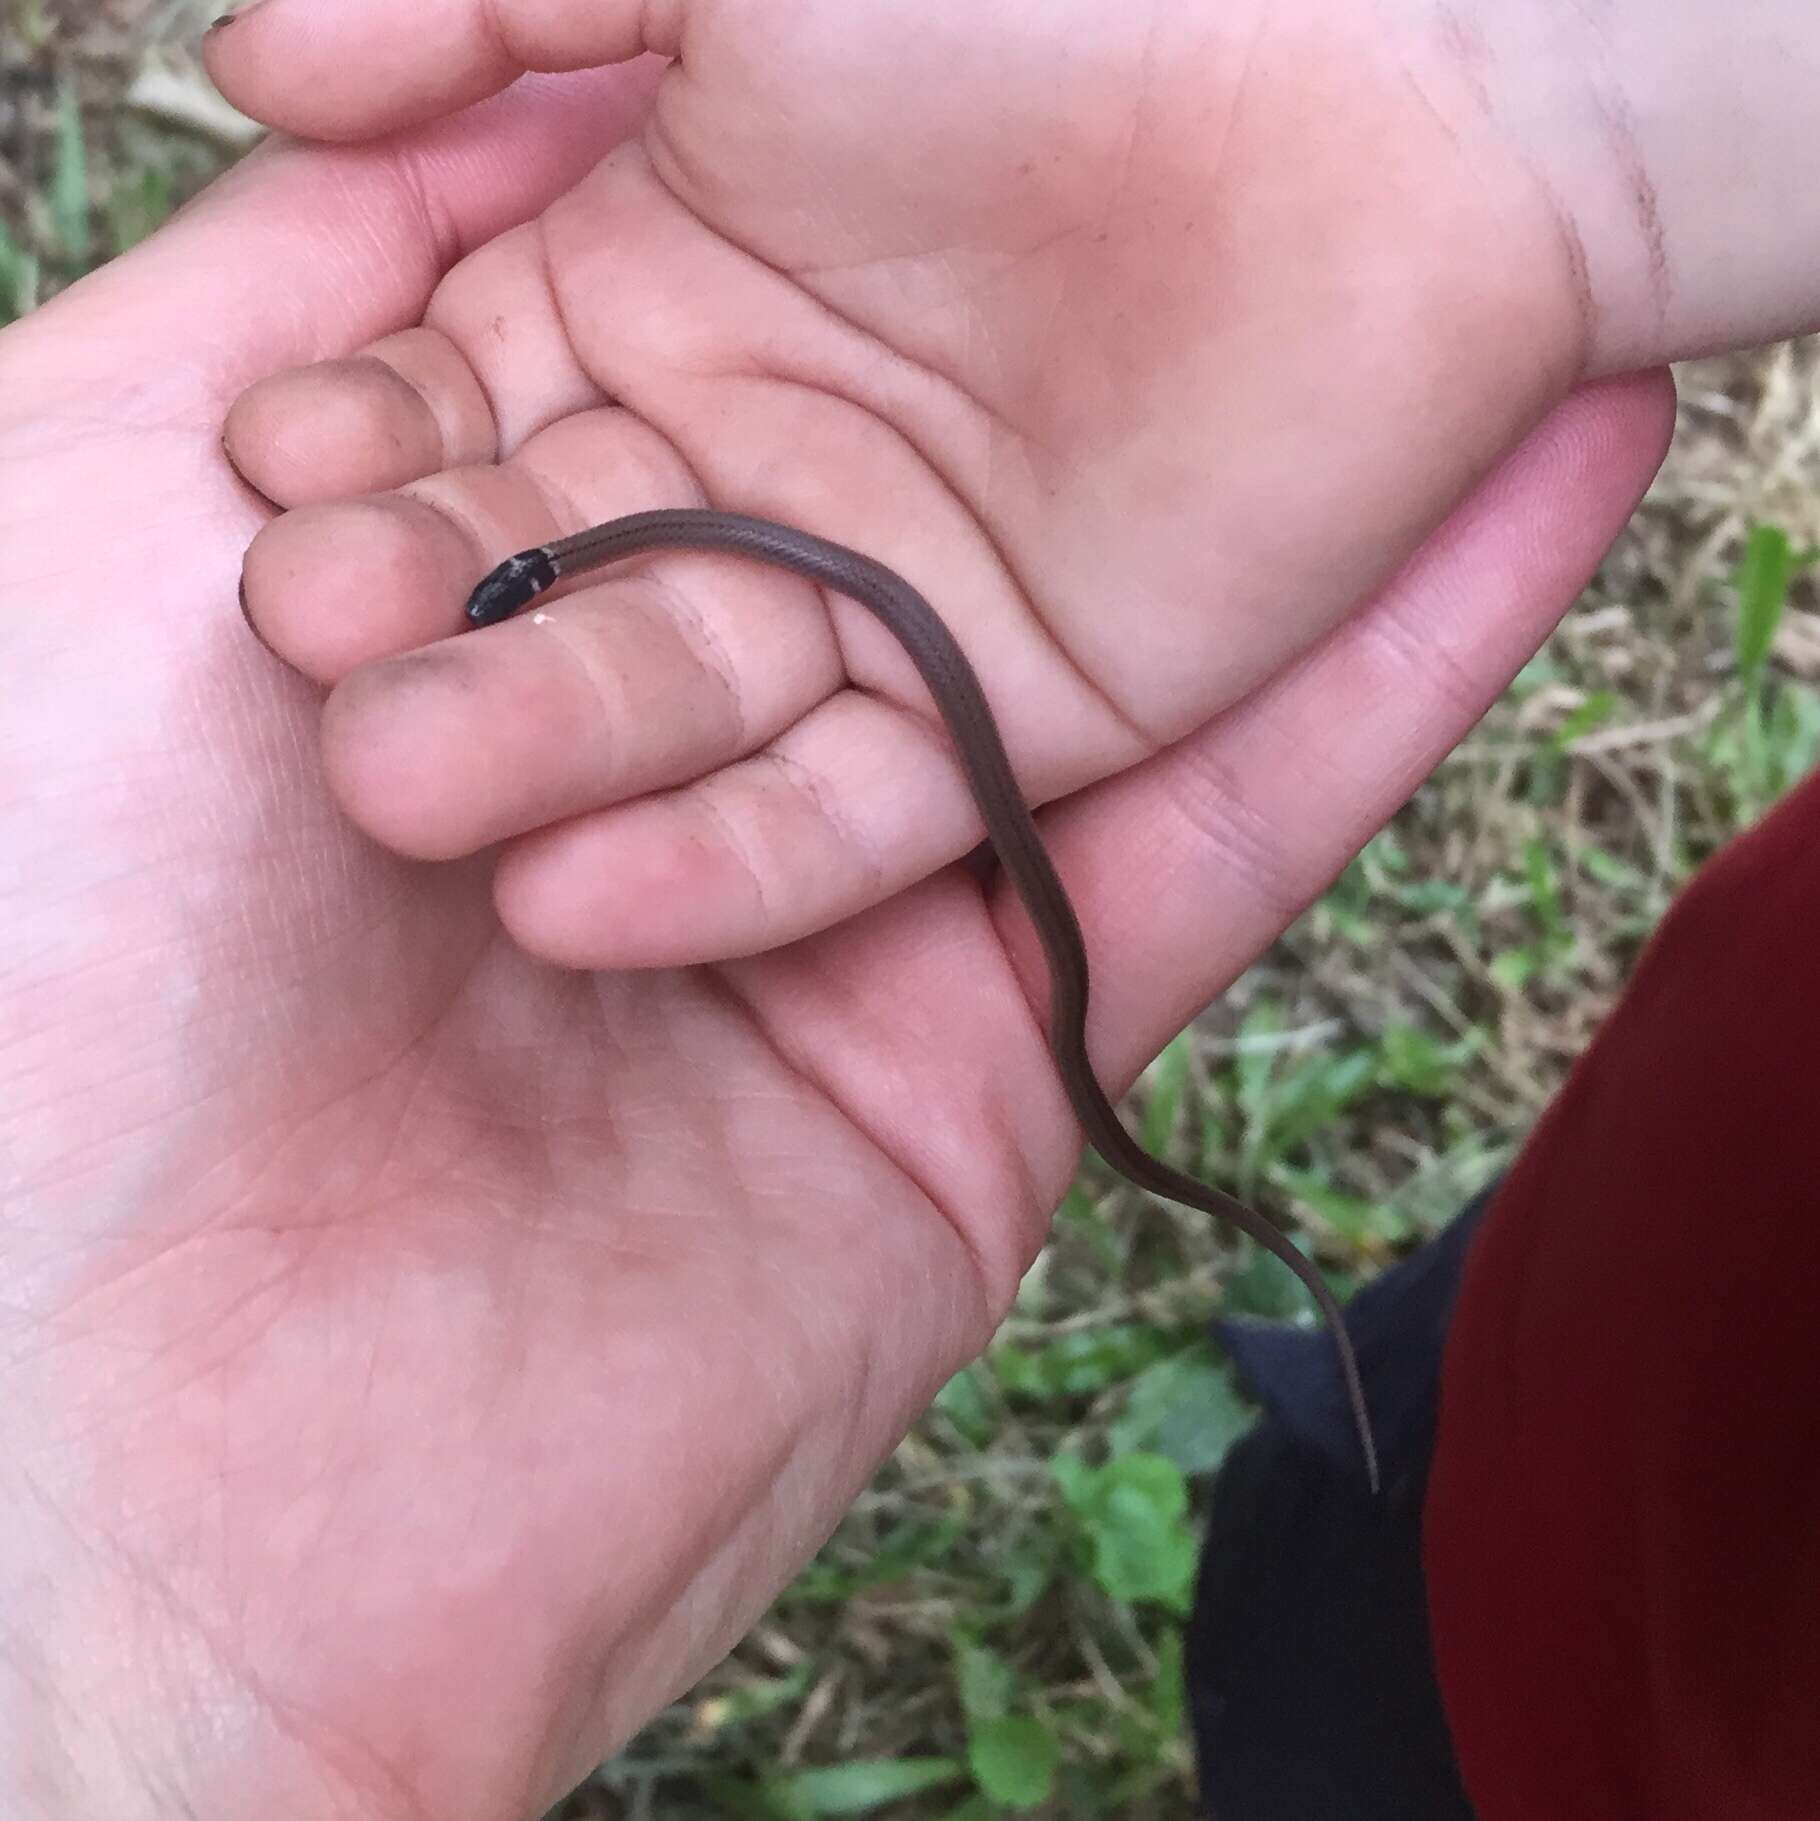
1372, 1071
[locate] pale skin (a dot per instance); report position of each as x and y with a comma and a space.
384, 1301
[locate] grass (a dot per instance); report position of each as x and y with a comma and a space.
995, 1629
104, 127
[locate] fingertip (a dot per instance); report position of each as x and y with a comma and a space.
629, 887
1611, 436
332, 588
564, 927
325, 432
246, 613
346, 70
382, 732
1635, 411
340, 70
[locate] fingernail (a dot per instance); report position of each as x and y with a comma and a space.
247, 615
227, 454
239, 12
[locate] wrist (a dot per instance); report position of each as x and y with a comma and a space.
1676, 141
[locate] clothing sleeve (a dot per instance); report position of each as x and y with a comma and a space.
1621, 1531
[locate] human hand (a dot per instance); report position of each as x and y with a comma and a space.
1057, 352
382, 1303
1146, 357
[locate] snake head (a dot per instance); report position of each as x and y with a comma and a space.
502, 591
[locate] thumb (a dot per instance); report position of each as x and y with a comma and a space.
305, 252
351, 69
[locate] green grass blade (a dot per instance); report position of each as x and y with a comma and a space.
1762, 587
69, 181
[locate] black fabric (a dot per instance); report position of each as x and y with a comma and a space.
1310, 1678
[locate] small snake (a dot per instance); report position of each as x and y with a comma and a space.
1009, 825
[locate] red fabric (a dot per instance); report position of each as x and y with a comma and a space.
1622, 1534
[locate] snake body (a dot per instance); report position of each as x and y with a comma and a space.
1010, 827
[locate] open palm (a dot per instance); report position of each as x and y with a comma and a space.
386, 1306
